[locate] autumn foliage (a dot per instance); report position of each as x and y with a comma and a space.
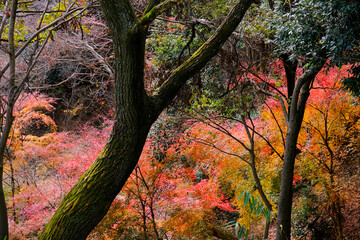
193, 190
196, 166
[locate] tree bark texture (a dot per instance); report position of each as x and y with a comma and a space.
89, 200
300, 94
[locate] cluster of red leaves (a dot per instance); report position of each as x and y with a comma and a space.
172, 192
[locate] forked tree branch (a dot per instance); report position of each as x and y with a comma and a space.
150, 15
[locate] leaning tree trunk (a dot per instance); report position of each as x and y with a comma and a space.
89, 200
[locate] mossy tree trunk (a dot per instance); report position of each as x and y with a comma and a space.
89, 200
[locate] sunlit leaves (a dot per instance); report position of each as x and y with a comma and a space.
328, 123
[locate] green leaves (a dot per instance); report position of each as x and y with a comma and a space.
254, 205
353, 83
318, 29
242, 232
168, 39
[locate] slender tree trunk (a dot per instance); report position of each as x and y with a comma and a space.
4, 227
151, 199
335, 209
89, 200
301, 92
285, 200
13, 190
143, 215
153, 221
254, 171
261, 192
296, 110
267, 229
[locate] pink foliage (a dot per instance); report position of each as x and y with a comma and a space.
47, 170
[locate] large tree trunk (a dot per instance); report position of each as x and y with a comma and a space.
87, 203
89, 200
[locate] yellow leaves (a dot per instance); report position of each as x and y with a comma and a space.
247, 219
75, 110
41, 141
189, 224
32, 116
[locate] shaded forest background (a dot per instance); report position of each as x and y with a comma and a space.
212, 163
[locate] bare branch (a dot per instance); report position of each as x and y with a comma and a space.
30, 68
106, 65
277, 124
50, 27
210, 144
